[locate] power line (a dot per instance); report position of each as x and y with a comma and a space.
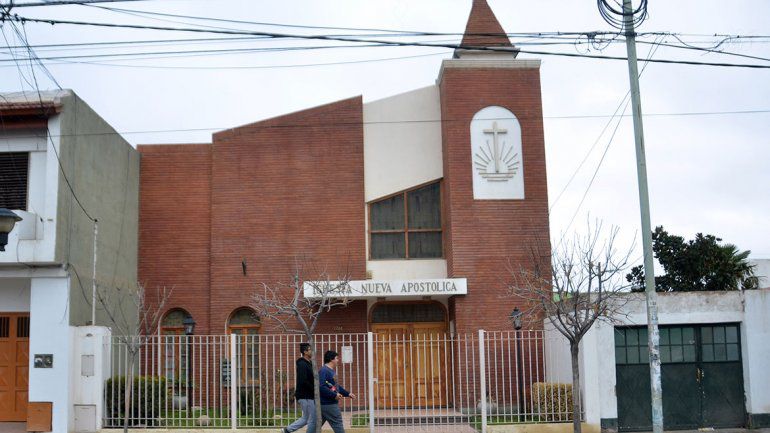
32, 56
60, 3
301, 65
315, 125
203, 52
375, 41
652, 51
710, 50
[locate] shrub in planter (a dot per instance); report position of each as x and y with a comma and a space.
553, 401
148, 397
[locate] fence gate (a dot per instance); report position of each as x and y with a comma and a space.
702, 377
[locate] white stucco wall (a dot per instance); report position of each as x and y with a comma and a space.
33, 239
762, 271
14, 295
756, 351
597, 362
50, 334
402, 142
89, 341
407, 269
402, 149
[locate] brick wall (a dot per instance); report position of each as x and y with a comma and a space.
484, 235
284, 190
174, 225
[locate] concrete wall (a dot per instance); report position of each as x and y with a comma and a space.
50, 334
103, 170
14, 295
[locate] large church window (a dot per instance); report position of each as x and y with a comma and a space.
407, 225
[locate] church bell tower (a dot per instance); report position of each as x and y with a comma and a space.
495, 193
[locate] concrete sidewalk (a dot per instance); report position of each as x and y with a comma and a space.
13, 427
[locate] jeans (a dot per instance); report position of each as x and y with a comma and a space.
308, 416
331, 413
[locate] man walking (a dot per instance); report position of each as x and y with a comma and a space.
304, 391
331, 392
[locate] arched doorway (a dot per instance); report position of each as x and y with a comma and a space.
411, 353
175, 350
245, 323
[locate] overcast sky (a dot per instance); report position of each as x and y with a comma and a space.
708, 173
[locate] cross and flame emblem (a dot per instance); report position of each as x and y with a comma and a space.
496, 162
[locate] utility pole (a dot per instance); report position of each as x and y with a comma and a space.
644, 205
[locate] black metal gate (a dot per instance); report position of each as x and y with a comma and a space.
702, 377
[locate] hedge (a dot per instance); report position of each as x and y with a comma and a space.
148, 396
553, 400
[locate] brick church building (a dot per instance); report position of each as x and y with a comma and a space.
424, 199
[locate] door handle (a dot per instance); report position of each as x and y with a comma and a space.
699, 375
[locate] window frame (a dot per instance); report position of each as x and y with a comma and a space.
248, 372
406, 230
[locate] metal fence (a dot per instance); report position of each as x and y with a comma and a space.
399, 379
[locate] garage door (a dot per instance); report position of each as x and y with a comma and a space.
14, 366
702, 377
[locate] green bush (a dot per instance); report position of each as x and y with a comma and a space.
249, 400
148, 395
553, 400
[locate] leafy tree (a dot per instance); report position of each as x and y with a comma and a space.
700, 264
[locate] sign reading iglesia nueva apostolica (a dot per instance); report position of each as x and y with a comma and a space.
362, 289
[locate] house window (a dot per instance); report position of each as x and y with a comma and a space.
14, 171
407, 225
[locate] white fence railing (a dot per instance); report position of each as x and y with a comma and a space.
400, 379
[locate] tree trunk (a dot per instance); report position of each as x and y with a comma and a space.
316, 384
574, 348
127, 391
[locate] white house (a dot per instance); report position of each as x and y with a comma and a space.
61, 165
714, 351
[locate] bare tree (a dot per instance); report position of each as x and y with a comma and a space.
293, 311
132, 319
580, 283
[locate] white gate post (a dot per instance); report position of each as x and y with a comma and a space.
483, 381
233, 382
370, 374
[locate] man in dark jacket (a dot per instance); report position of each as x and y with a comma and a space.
304, 391
331, 392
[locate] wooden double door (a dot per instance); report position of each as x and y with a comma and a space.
14, 366
411, 365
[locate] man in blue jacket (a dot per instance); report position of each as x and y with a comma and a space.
331, 392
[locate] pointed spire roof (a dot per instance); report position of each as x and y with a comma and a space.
483, 28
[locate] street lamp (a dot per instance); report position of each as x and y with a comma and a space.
189, 329
8, 219
189, 325
515, 318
